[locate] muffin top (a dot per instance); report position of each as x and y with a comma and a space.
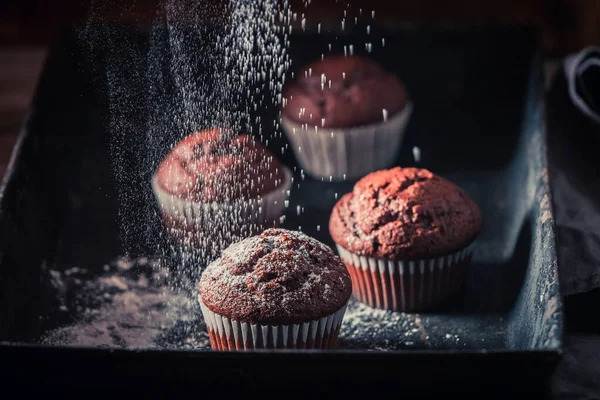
343, 91
404, 214
216, 165
277, 277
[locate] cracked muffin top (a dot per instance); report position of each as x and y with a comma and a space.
217, 165
277, 277
404, 214
343, 91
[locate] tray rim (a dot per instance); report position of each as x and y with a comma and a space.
22, 346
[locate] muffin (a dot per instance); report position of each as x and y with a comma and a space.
215, 187
406, 237
345, 117
280, 289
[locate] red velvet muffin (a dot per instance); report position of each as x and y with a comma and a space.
345, 116
215, 187
280, 289
406, 237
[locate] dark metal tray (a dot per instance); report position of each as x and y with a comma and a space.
478, 120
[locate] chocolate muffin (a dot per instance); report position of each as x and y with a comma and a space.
406, 237
359, 90
348, 115
215, 186
280, 289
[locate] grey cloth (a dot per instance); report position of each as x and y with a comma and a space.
578, 375
573, 137
573, 131
582, 71
578, 226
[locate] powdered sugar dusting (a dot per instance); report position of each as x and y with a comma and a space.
129, 305
312, 279
278, 274
366, 327
327, 291
239, 253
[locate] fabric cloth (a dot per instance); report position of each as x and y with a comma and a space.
578, 375
582, 71
573, 128
573, 115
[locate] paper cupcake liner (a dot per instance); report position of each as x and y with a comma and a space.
406, 286
347, 153
226, 334
233, 217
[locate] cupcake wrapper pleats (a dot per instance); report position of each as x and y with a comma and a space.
406, 286
347, 153
249, 213
226, 334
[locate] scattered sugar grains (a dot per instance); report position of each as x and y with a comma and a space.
128, 305
368, 328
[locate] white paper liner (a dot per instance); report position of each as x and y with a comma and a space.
406, 286
347, 153
239, 213
226, 334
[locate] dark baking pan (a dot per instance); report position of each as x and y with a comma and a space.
77, 193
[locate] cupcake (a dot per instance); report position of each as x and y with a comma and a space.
345, 117
406, 237
215, 187
280, 289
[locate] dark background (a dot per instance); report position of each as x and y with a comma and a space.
564, 25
